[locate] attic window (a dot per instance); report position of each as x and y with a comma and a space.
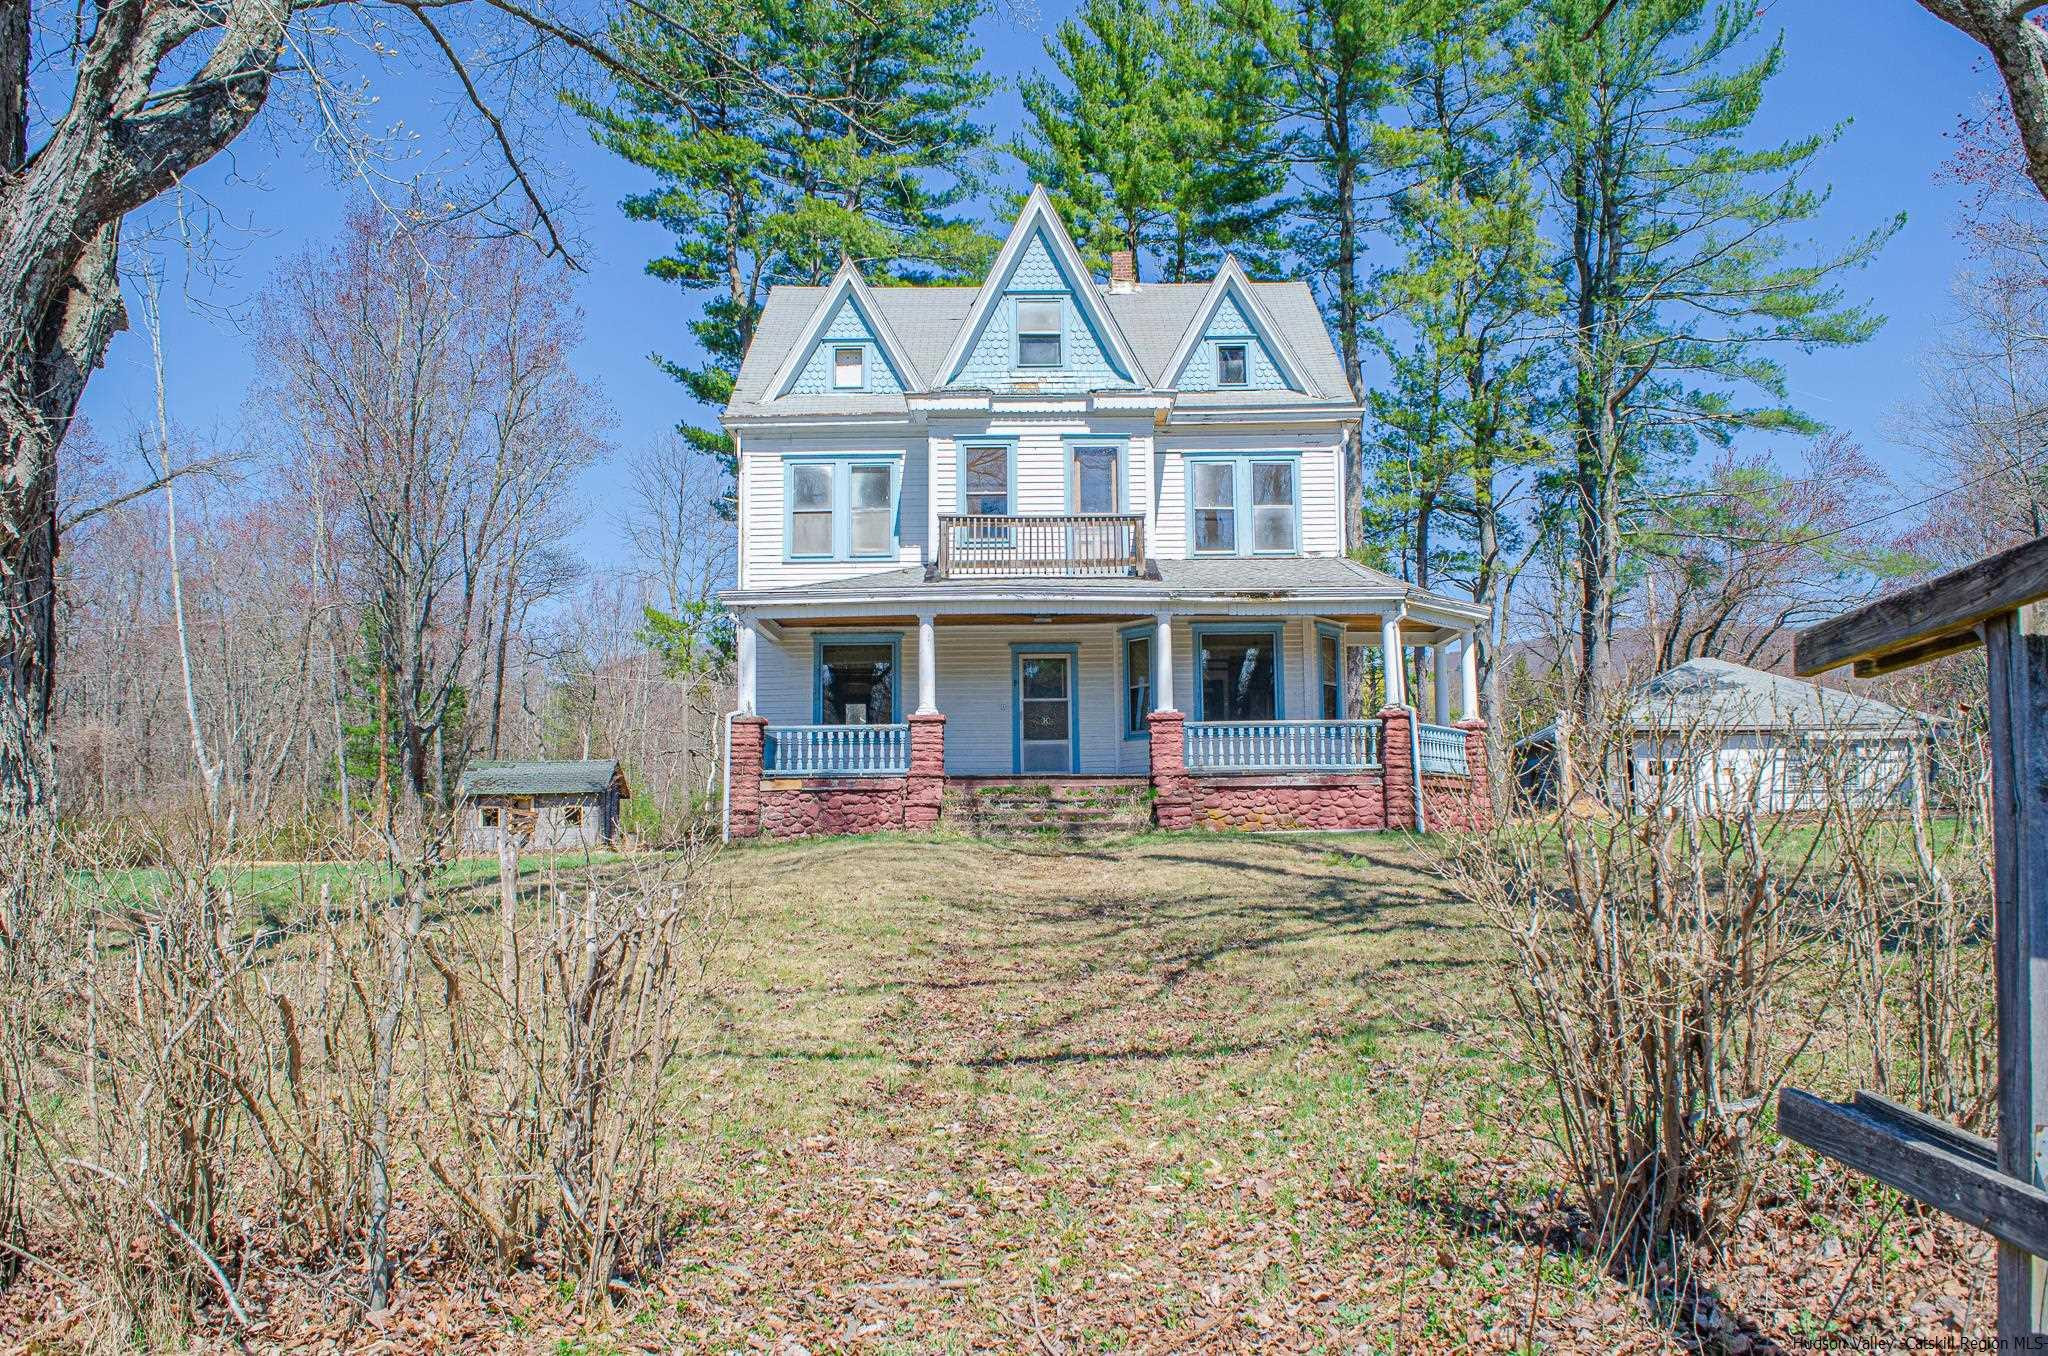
1040, 327
849, 369
1230, 364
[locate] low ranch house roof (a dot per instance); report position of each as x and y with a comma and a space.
572, 777
1294, 583
1715, 694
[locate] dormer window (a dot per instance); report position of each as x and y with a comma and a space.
1041, 326
849, 369
1230, 364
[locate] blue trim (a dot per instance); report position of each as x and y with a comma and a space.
841, 465
1070, 442
868, 353
1277, 630
1329, 631
893, 639
1149, 633
1018, 650
1241, 498
960, 445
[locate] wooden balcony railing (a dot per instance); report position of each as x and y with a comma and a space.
836, 751
1282, 745
1050, 544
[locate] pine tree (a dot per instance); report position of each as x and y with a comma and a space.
794, 133
1679, 273
1153, 139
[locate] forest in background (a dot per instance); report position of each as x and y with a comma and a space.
1568, 276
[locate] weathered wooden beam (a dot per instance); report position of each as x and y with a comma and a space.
1915, 655
1955, 602
1935, 1164
2016, 708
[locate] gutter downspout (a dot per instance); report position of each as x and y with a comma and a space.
1415, 764
725, 789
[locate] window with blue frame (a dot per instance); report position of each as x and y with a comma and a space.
849, 368
1041, 331
842, 509
1248, 505
1237, 674
1137, 684
1330, 671
857, 681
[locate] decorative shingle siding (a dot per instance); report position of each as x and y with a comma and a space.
1230, 325
846, 326
1086, 364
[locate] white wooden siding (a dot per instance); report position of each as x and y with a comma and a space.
761, 506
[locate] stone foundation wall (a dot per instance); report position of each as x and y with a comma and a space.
1320, 801
793, 808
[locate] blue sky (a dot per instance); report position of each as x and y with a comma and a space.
1898, 78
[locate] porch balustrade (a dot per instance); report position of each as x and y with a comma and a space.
836, 751
1282, 745
1443, 750
972, 544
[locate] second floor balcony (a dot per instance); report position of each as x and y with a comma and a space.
1061, 544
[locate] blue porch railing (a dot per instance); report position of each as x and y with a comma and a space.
1282, 745
1443, 750
836, 750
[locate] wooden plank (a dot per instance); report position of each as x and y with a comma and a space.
1929, 1167
1954, 602
1915, 655
2016, 668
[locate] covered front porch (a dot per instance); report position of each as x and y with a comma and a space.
1229, 706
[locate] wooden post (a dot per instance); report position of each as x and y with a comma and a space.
2016, 658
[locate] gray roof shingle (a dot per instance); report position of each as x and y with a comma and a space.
575, 777
926, 319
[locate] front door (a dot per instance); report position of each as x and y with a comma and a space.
1045, 712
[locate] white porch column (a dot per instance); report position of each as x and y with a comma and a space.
1468, 656
1440, 661
1390, 658
745, 640
1162, 662
927, 664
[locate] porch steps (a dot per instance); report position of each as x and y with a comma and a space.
1063, 807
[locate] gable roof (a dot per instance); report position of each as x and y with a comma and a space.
846, 283
1038, 217
1230, 280
575, 777
1717, 695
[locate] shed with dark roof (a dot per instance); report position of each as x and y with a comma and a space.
549, 805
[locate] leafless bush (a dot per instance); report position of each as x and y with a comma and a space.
1670, 955
562, 1017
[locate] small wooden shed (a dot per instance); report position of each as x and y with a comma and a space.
551, 806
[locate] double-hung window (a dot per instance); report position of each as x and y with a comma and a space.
1137, 684
842, 509
1095, 476
1231, 364
1330, 671
1041, 331
849, 368
1244, 505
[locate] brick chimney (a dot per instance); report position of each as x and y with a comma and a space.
1123, 271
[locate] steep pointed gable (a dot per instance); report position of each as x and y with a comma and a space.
846, 317
1039, 264
1230, 315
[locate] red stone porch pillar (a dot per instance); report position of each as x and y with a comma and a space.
1172, 805
1397, 766
925, 790
1479, 792
743, 777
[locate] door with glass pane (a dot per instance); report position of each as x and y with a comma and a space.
1093, 476
1045, 712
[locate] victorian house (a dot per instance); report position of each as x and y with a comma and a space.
1050, 550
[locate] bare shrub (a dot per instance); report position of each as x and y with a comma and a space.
1670, 955
562, 1016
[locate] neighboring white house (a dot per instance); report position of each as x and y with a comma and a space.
1726, 735
1048, 507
